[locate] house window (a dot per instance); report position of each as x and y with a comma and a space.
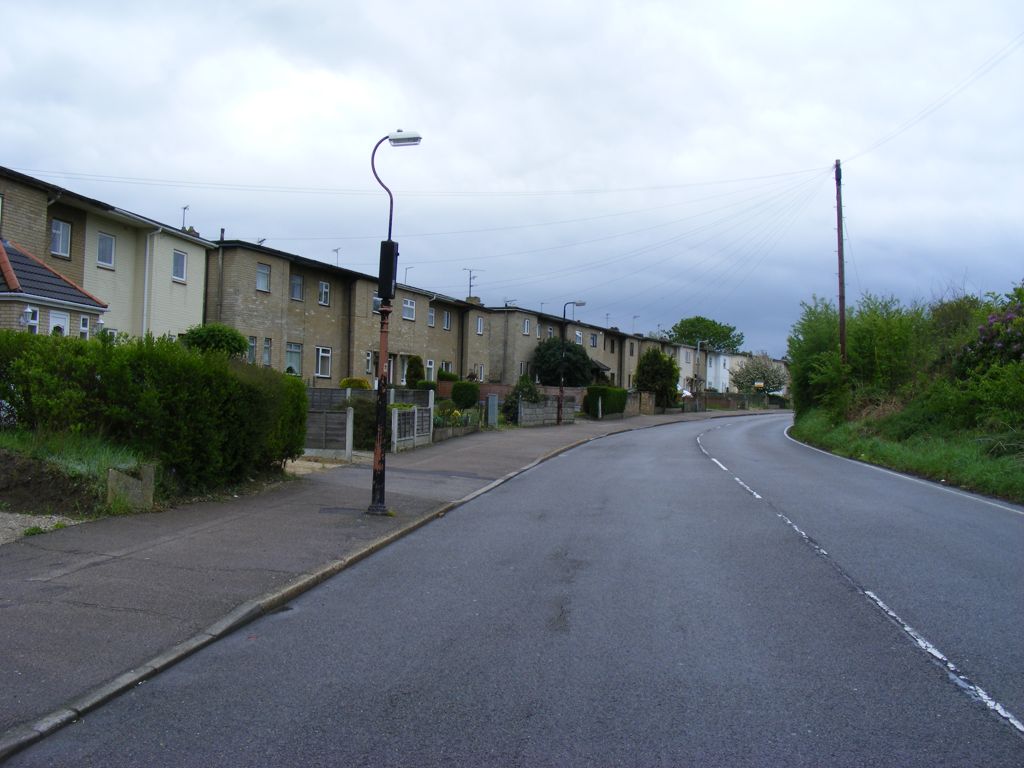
551, 332
105, 250
631, 349
479, 326
179, 266
295, 287
293, 358
375, 305
32, 324
408, 309
60, 238
267, 349
480, 372
593, 340
263, 278
579, 337
446, 365
323, 362
83, 327
446, 320
686, 354
523, 368
251, 354
324, 294
612, 346
526, 326
369, 362
430, 370
430, 316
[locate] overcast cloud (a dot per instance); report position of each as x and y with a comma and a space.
655, 159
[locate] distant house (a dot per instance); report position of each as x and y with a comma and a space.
150, 275
36, 299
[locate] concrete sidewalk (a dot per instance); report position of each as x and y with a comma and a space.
89, 611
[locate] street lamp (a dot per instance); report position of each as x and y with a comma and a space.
561, 363
386, 277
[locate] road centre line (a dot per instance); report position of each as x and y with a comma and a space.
974, 691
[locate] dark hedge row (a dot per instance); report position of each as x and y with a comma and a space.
613, 400
206, 419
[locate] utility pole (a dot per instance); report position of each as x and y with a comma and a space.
471, 271
842, 270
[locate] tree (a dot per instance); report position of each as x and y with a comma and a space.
759, 369
711, 334
658, 373
215, 337
548, 360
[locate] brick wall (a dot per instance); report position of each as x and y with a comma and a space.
23, 219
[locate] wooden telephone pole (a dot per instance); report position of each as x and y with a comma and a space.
842, 271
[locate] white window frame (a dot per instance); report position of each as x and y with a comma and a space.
522, 368
593, 340
431, 317
262, 277
101, 238
32, 326
369, 362
292, 348
526, 326
429, 370
446, 365
268, 348
60, 238
323, 355
179, 258
324, 294
293, 281
250, 355
579, 338
375, 304
446, 320
409, 309
83, 327
480, 372
479, 325
551, 332
686, 353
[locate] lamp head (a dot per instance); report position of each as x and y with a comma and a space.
402, 138
580, 303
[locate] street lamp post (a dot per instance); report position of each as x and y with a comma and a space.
700, 389
386, 277
561, 362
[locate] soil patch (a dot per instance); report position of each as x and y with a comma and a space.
36, 487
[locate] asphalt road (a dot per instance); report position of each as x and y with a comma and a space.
700, 594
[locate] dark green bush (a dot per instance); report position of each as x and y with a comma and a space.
613, 400
205, 419
524, 391
215, 337
414, 370
354, 382
424, 384
466, 394
447, 376
364, 429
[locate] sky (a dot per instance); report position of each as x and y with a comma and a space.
656, 160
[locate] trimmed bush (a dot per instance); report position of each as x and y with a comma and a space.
613, 400
424, 384
447, 376
414, 369
466, 394
215, 337
354, 382
206, 419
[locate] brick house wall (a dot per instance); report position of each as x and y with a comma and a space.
23, 217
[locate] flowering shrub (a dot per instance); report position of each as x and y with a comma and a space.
1000, 339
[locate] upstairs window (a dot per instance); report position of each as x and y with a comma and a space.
105, 250
263, 278
60, 238
593, 340
479, 326
431, 315
579, 337
408, 309
295, 287
324, 294
446, 320
526, 326
179, 266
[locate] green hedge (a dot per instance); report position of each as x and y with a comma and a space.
447, 376
466, 394
613, 400
206, 419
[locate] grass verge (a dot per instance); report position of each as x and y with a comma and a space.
960, 459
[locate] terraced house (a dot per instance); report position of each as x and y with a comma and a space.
150, 277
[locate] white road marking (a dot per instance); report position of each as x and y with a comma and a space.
929, 483
721, 466
976, 692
